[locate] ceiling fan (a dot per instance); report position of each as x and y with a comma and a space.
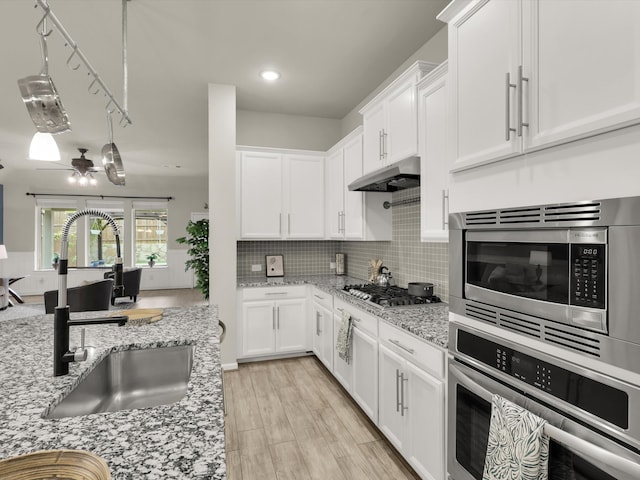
82, 168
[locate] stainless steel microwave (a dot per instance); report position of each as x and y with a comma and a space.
567, 274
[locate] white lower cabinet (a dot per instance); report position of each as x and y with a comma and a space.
411, 413
323, 334
273, 326
365, 372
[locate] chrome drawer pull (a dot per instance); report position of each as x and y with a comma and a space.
398, 344
276, 293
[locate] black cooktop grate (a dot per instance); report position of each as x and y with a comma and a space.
387, 296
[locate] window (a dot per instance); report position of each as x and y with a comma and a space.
52, 219
150, 233
102, 240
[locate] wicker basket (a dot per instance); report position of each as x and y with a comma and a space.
55, 464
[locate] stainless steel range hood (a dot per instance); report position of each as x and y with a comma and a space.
391, 178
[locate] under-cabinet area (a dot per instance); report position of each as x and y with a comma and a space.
394, 371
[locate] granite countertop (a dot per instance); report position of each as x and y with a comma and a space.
429, 322
184, 440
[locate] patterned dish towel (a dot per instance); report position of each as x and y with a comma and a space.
518, 449
343, 345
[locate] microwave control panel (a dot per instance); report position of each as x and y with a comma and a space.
588, 267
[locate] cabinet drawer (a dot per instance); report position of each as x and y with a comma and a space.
274, 293
413, 349
322, 298
359, 318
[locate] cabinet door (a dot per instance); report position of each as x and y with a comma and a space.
258, 328
392, 418
424, 399
326, 330
570, 96
365, 373
335, 194
484, 47
342, 370
304, 197
401, 134
261, 195
434, 165
353, 218
373, 123
317, 337
291, 326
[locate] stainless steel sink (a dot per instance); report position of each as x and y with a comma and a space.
130, 379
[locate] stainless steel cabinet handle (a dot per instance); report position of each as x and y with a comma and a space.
276, 293
289, 223
521, 79
402, 380
398, 344
273, 318
507, 113
384, 144
317, 324
278, 318
380, 145
280, 224
318, 296
342, 215
445, 210
397, 390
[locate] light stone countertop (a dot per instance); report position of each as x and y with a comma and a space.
184, 440
429, 322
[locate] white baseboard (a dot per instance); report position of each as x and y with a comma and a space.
230, 366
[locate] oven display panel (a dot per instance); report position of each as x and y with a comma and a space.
589, 395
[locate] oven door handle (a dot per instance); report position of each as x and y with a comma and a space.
575, 444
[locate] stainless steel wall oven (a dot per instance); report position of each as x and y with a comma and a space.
565, 274
593, 420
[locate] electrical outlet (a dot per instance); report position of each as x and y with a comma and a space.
332, 265
256, 268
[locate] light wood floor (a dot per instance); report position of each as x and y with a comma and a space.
291, 420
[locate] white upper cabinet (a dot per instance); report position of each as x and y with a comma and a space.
353, 215
434, 159
281, 195
523, 74
261, 187
583, 64
390, 120
304, 196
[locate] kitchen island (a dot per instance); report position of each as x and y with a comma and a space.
184, 440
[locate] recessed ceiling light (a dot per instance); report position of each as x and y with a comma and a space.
270, 75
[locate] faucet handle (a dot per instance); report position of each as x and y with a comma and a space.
80, 355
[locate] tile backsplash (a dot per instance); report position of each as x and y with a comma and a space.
408, 259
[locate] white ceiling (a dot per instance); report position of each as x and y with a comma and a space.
331, 55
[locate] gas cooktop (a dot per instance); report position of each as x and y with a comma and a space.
389, 296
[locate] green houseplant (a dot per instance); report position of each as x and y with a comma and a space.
198, 240
152, 257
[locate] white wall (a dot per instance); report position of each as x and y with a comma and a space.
222, 198
434, 50
286, 131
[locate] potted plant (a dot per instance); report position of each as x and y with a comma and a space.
152, 257
198, 241
55, 261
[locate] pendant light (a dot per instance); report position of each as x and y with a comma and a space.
43, 147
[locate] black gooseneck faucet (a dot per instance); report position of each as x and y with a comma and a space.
61, 322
